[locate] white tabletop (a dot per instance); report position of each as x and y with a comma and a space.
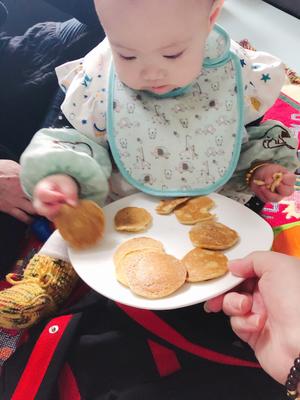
266, 27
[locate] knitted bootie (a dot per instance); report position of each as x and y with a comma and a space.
45, 284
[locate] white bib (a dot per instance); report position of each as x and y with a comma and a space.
187, 142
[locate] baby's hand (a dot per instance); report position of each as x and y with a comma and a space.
53, 191
272, 182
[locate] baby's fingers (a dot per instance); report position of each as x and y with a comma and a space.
287, 184
47, 191
289, 179
285, 190
267, 196
50, 196
47, 210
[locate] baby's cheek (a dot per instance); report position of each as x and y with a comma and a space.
125, 73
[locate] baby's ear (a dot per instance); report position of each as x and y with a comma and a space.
215, 12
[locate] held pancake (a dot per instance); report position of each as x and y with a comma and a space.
213, 235
195, 210
81, 226
132, 219
156, 275
203, 265
165, 207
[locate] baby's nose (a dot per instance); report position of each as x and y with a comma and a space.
153, 73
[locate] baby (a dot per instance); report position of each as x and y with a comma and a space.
175, 101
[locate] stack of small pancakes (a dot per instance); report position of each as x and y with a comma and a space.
142, 264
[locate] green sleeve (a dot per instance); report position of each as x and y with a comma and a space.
66, 151
269, 142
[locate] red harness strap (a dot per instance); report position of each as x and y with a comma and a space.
40, 358
165, 359
150, 321
68, 389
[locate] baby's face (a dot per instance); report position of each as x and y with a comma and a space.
157, 45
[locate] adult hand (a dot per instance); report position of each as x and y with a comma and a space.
52, 192
262, 181
13, 200
265, 311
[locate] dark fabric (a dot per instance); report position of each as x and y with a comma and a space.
12, 231
3, 13
290, 6
29, 83
255, 204
83, 10
110, 357
54, 117
13, 234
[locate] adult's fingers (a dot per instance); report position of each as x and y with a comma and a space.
259, 262
249, 324
27, 206
237, 304
215, 304
21, 215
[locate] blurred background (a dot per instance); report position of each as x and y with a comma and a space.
290, 6
24, 13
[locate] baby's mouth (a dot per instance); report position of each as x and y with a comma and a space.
160, 89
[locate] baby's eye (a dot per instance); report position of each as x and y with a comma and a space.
173, 56
128, 58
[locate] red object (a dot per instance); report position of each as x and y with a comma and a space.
150, 321
68, 389
165, 359
40, 359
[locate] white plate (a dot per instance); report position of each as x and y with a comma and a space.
95, 266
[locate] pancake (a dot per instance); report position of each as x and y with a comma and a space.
128, 261
132, 219
81, 226
195, 210
131, 250
156, 275
140, 243
213, 235
165, 207
203, 265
